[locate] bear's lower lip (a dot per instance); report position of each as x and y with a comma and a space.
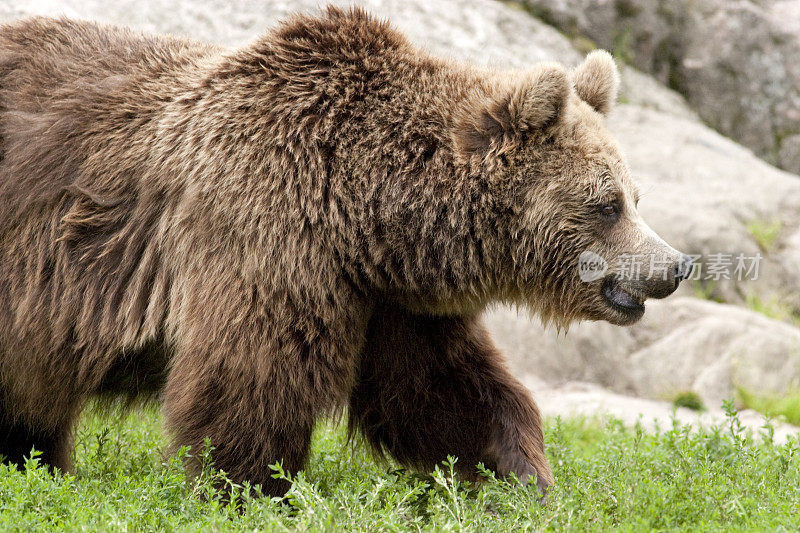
621, 299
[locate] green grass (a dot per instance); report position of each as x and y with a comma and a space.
765, 233
773, 308
785, 406
607, 476
705, 290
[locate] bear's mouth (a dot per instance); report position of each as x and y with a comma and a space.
623, 299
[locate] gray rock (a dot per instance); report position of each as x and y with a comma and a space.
484, 31
789, 153
682, 344
589, 400
734, 60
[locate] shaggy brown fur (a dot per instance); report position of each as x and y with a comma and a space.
265, 235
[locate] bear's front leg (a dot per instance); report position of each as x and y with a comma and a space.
254, 384
432, 386
251, 420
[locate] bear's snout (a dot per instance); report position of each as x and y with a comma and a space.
654, 269
661, 286
626, 287
659, 283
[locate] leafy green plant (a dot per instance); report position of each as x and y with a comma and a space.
690, 400
608, 476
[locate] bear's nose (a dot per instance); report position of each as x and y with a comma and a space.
683, 268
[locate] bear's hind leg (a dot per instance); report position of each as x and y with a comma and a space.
430, 387
18, 439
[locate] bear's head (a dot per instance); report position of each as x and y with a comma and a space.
573, 245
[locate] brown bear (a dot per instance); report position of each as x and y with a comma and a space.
311, 223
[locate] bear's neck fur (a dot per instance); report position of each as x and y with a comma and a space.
348, 130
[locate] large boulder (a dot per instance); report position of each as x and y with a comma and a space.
483, 31
682, 344
734, 60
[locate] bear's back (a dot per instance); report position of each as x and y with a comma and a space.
41, 56
66, 85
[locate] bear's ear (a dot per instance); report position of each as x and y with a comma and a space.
494, 123
596, 81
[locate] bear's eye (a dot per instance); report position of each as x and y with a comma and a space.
609, 210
